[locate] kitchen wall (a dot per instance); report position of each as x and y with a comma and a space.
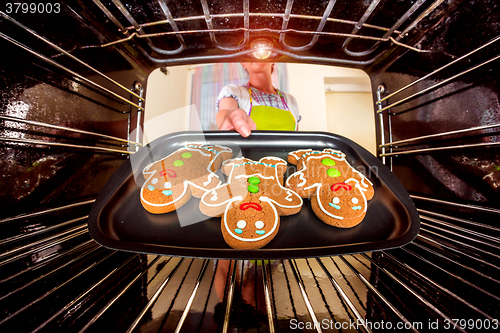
167, 102
336, 100
330, 99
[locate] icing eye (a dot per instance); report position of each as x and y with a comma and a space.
154, 181
186, 155
355, 200
167, 185
259, 224
241, 224
178, 163
336, 200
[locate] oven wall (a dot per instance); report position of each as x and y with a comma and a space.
63, 131
438, 129
168, 101
442, 115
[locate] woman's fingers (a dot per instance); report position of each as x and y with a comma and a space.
239, 121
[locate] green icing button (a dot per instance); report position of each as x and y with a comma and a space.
186, 155
254, 180
332, 172
178, 163
253, 188
328, 162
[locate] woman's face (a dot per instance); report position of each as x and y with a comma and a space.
257, 67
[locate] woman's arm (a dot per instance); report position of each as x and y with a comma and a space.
231, 117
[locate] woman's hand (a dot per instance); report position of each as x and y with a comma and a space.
230, 117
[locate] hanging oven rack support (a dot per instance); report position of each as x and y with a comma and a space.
239, 50
52, 62
139, 106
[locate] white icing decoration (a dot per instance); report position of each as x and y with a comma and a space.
167, 185
338, 155
214, 196
318, 185
241, 224
323, 209
304, 180
289, 196
335, 154
240, 160
259, 224
229, 201
340, 217
154, 181
355, 200
336, 200
283, 206
300, 173
186, 182
275, 224
168, 203
256, 175
209, 180
298, 151
335, 157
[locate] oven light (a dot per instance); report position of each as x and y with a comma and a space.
261, 47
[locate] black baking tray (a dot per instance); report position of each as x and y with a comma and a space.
118, 220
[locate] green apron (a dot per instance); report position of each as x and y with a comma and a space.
270, 118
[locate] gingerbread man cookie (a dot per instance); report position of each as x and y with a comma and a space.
338, 192
188, 171
251, 201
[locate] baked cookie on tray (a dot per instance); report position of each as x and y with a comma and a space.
251, 202
190, 170
338, 192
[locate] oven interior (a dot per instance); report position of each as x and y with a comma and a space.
74, 80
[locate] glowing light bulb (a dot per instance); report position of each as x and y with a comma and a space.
261, 47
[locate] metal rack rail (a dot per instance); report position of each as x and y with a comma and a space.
68, 54
64, 68
330, 293
108, 93
392, 35
63, 128
395, 146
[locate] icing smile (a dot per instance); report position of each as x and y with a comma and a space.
356, 207
334, 205
337, 186
253, 205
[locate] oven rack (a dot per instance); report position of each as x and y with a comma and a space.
386, 115
70, 130
120, 16
193, 295
68, 54
108, 94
